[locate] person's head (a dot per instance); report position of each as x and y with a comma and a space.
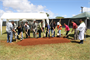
22, 22
34, 21
64, 24
81, 21
26, 25
19, 26
54, 22
72, 22
26, 22
47, 24
12, 22
29, 21
41, 21
37, 22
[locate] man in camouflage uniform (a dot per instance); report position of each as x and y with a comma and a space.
14, 27
34, 28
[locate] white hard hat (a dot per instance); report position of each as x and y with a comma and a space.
58, 23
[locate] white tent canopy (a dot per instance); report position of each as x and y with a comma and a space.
14, 16
22, 16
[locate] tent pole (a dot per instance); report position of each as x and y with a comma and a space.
1, 26
7, 21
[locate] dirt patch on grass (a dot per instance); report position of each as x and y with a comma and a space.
7, 44
37, 41
3, 41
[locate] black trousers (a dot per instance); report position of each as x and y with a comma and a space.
67, 34
29, 32
39, 33
81, 41
47, 34
18, 34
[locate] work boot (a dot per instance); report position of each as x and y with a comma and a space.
81, 42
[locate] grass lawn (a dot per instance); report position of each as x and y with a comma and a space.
61, 51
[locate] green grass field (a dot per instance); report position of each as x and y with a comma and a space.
61, 51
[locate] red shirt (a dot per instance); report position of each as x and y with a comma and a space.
67, 28
74, 25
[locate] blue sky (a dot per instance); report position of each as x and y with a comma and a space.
65, 8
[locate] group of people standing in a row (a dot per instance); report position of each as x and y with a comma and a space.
38, 27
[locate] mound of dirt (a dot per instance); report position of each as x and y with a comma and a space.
37, 41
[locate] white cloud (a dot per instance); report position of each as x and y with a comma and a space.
1, 12
86, 9
73, 15
64, 15
25, 6
51, 14
9, 11
22, 6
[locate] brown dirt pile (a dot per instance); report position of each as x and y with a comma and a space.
34, 41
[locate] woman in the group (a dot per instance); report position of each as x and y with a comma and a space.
27, 30
66, 29
59, 28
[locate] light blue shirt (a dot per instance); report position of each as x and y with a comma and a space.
26, 27
9, 27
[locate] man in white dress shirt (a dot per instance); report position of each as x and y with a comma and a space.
10, 30
27, 30
82, 29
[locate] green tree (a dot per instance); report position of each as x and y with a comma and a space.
46, 14
59, 17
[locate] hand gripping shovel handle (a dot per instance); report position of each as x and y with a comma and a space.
53, 33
